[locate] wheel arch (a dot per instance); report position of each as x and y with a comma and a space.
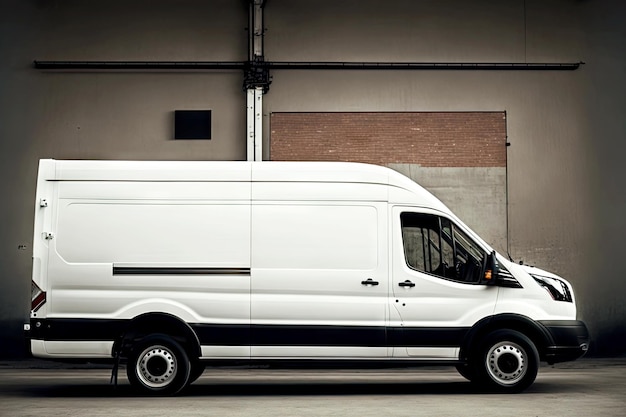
536, 332
157, 323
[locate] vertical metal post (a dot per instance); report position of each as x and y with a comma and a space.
258, 28
255, 123
255, 91
258, 124
250, 129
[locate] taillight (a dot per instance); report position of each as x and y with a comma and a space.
37, 297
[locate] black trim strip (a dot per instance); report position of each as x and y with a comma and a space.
430, 336
133, 270
222, 334
260, 335
77, 329
271, 335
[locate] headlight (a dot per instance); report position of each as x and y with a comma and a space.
558, 289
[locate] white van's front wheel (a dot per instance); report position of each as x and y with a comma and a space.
509, 361
158, 365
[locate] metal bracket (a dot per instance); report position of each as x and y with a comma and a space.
256, 74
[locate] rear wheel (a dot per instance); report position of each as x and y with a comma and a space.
158, 365
508, 361
197, 369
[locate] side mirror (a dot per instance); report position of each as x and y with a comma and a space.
492, 268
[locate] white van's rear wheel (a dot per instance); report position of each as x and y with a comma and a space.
197, 369
158, 365
508, 362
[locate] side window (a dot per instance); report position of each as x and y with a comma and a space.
432, 244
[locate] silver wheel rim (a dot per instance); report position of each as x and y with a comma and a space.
506, 363
156, 367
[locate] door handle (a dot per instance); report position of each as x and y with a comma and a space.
369, 281
407, 283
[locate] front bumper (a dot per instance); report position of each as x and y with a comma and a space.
570, 340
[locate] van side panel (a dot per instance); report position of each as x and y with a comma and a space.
310, 266
122, 249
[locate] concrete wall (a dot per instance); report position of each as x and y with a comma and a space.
565, 168
477, 195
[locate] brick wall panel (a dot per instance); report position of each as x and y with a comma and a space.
432, 139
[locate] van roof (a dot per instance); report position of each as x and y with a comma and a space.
270, 171
106, 170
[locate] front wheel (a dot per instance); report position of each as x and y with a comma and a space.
466, 371
508, 361
158, 365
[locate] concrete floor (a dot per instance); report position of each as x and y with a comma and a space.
588, 387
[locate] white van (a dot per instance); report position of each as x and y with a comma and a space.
169, 266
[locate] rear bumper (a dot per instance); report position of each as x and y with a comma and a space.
570, 340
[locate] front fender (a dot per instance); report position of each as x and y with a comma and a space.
534, 330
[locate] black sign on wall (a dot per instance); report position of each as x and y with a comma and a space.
192, 124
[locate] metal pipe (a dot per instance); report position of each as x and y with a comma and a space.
139, 65
240, 65
423, 66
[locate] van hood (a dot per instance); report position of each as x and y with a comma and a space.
538, 271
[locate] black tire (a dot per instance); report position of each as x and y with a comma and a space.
507, 361
158, 365
197, 369
466, 371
